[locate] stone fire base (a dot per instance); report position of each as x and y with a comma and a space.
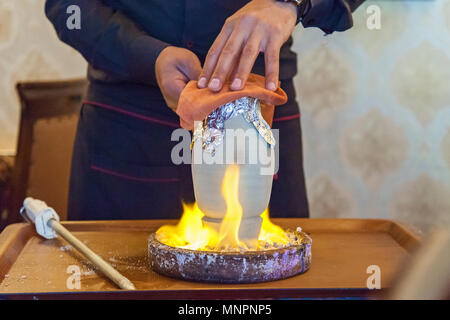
230, 267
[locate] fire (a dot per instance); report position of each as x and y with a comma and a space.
271, 233
192, 233
229, 228
189, 233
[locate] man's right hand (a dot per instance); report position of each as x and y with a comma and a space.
174, 68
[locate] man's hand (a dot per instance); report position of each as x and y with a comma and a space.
259, 26
174, 68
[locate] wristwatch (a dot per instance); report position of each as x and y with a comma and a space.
303, 7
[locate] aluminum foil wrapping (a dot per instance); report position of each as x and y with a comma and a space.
211, 130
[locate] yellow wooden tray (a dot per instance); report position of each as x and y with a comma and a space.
342, 250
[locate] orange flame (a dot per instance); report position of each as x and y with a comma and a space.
192, 233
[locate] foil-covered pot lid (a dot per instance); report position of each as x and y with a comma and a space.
211, 130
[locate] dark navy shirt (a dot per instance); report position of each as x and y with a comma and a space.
121, 39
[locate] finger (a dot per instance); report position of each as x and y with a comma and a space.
247, 60
213, 55
191, 68
172, 91
177, 86
271, 58
227, 60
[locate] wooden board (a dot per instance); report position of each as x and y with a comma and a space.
342, 249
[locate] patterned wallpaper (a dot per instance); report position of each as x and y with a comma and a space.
376, 115
375, 105
29, 50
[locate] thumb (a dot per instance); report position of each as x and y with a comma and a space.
173, 91
178, 86
192, 67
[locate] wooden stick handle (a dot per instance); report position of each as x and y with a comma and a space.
104, 267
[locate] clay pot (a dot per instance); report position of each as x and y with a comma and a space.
255, 180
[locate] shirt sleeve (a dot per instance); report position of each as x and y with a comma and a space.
107, 39
331, 15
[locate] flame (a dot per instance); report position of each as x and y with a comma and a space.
271, 233
229, 228
192, 233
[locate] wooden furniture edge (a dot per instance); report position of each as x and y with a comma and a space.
224, 294
12, 240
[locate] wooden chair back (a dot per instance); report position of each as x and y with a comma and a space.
48, 121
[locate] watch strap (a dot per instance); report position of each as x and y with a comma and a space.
303, 7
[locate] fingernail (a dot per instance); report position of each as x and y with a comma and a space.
236, 85
214, 84
202, 82
271, 86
